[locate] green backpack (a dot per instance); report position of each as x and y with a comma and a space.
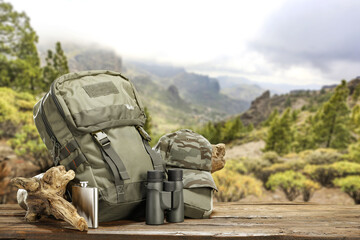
92, 123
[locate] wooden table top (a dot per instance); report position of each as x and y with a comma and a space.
229, 220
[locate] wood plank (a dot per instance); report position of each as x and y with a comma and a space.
229, 220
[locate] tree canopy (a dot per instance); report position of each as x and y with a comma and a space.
19, 60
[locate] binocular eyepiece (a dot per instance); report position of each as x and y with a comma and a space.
164, 198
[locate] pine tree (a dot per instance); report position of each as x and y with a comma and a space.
355, 118
304, 137
211, 132
356, 93
250, 127
56, 65
332, 128
19, 60
287, 102
231, 130
280, 135
274, 114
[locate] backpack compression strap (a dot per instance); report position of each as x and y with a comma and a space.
113, 160
69, 148
156, 159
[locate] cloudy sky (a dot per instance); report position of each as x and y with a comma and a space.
300, 42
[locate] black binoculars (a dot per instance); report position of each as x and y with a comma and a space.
164, 198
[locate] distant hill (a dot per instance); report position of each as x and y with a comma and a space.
87, 57
275, 88
200, 90
245, 92
177, 98
309, 100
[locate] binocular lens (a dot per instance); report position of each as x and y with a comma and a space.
175, 174
155, 176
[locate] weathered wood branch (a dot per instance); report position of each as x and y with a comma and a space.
45, 196
217, 158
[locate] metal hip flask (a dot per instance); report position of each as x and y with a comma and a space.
85, 199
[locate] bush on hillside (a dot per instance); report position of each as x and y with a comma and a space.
233, 186
293, 184
272, 157
266, 172
8, 119
254, 165
350, 185
325, 174
290, 182
28, 144
15, 111
308, 189
353, 154
322, 156
297, 164
236, 166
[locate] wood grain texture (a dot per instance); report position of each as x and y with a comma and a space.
229, 221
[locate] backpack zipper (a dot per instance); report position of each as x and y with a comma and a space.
54, 140
56, 101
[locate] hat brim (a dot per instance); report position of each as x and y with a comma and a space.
196, 178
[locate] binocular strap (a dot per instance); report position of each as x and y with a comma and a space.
156, 159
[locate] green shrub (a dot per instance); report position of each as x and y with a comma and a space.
233, 186
353, 154
296, 164
290, 182
345, 168
254, 165
27, 143
236, 166
323, 156
325, 174
272, 157
15, 111
293, 184
308, 189
265, 173
8, 119
350, 185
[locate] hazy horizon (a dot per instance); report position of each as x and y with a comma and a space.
300, 43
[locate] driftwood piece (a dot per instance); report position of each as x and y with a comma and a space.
217, 158
45, 196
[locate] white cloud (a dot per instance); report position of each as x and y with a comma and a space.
204, 36
182, 32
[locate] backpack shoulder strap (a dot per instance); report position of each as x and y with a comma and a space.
113, 160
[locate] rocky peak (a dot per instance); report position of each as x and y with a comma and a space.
258, 111
263, 97
353, 84
174, 91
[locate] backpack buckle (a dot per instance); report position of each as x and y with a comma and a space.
143, 133
101, 138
